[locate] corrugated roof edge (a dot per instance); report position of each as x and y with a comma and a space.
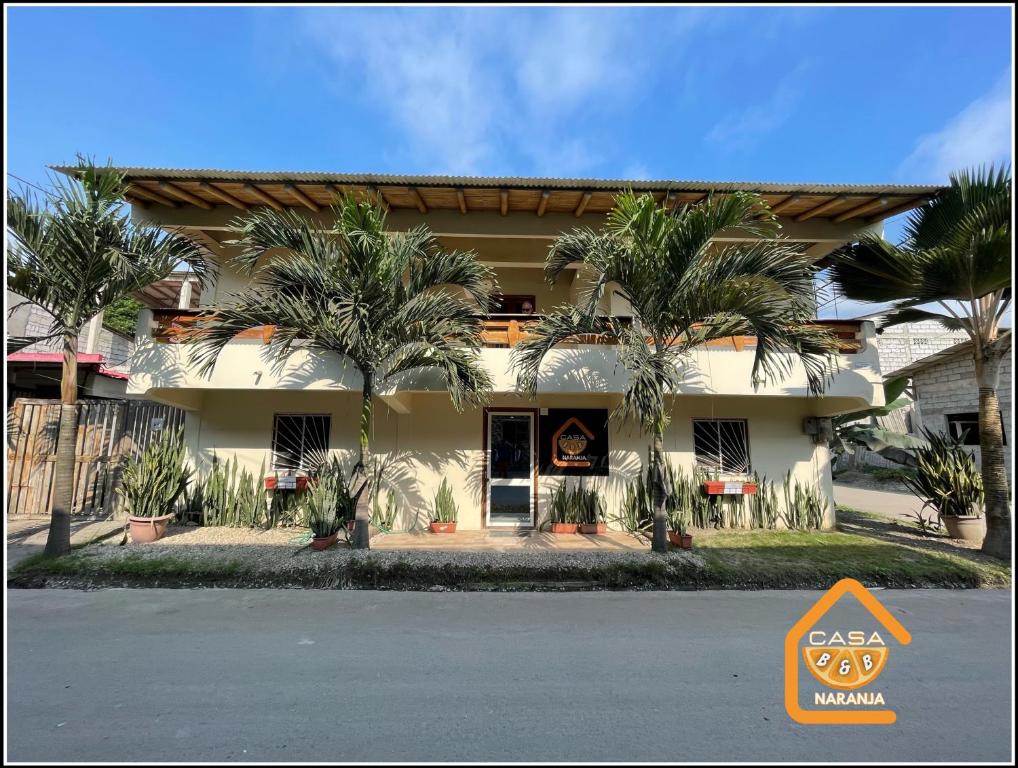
210, 174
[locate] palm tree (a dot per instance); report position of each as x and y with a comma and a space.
75, 252
684, 290
953, 266
389, 302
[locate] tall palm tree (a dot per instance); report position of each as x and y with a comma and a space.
684, 290
74, 252
953, 266
389, 302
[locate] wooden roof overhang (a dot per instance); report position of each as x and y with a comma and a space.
243, 190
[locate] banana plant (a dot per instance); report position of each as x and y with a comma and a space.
850, 431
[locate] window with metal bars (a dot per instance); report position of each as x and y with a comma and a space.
300, 441
721, 445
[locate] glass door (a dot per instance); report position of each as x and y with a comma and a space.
510, 469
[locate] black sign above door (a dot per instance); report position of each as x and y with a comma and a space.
574, 441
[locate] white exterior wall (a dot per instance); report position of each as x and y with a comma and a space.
436, 443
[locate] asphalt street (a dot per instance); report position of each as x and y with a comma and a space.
267, 675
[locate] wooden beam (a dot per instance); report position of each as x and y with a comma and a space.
333, 190
915, 202
418, 200
264, 196
137, 201
503, 196
834, 202
297, 192
543, 205
584, 201
155, 197
379, 197
785, 204
223, 195
461, 199
859, 210
183, 194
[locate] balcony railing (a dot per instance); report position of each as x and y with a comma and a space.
498, 331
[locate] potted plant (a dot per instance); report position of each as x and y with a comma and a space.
445, 510
590, 506
562, 513
946, 479
678, 534
151, 485
323, 504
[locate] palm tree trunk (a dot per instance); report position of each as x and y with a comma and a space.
58, 542
660, 540
361, 534
991, 449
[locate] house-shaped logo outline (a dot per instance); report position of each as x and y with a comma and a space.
554, 443
804, 625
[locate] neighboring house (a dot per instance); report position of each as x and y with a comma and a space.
104, 354
947, 396
903, 344
498, 459
35, 370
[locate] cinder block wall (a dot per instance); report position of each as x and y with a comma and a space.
949, 387
900, 345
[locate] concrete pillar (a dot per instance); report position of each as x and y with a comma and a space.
184, 299
95, 326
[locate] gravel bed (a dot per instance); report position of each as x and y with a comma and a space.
282, 557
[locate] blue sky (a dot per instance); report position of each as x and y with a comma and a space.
854, 95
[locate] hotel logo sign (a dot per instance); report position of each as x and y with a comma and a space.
574, 441
846, 660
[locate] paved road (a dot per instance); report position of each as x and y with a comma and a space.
893, 504
267, 675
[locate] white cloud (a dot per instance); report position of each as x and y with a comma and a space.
978, 135
744, 128
463, 86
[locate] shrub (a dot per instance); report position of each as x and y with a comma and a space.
327, 502
945, 477
805, 505
230, 497
154, 481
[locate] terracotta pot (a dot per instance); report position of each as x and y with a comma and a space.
145, 530
970, 528
563, 527
324, 542
681, 540
437, 527
593, 528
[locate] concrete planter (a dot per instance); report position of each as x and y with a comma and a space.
970, 528
145, 530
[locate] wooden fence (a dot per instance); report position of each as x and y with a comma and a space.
109, 433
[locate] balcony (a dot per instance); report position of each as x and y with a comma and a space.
501, 331
162, 368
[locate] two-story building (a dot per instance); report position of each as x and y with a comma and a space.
496, 457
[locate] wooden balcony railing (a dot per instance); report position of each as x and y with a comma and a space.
504, 331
